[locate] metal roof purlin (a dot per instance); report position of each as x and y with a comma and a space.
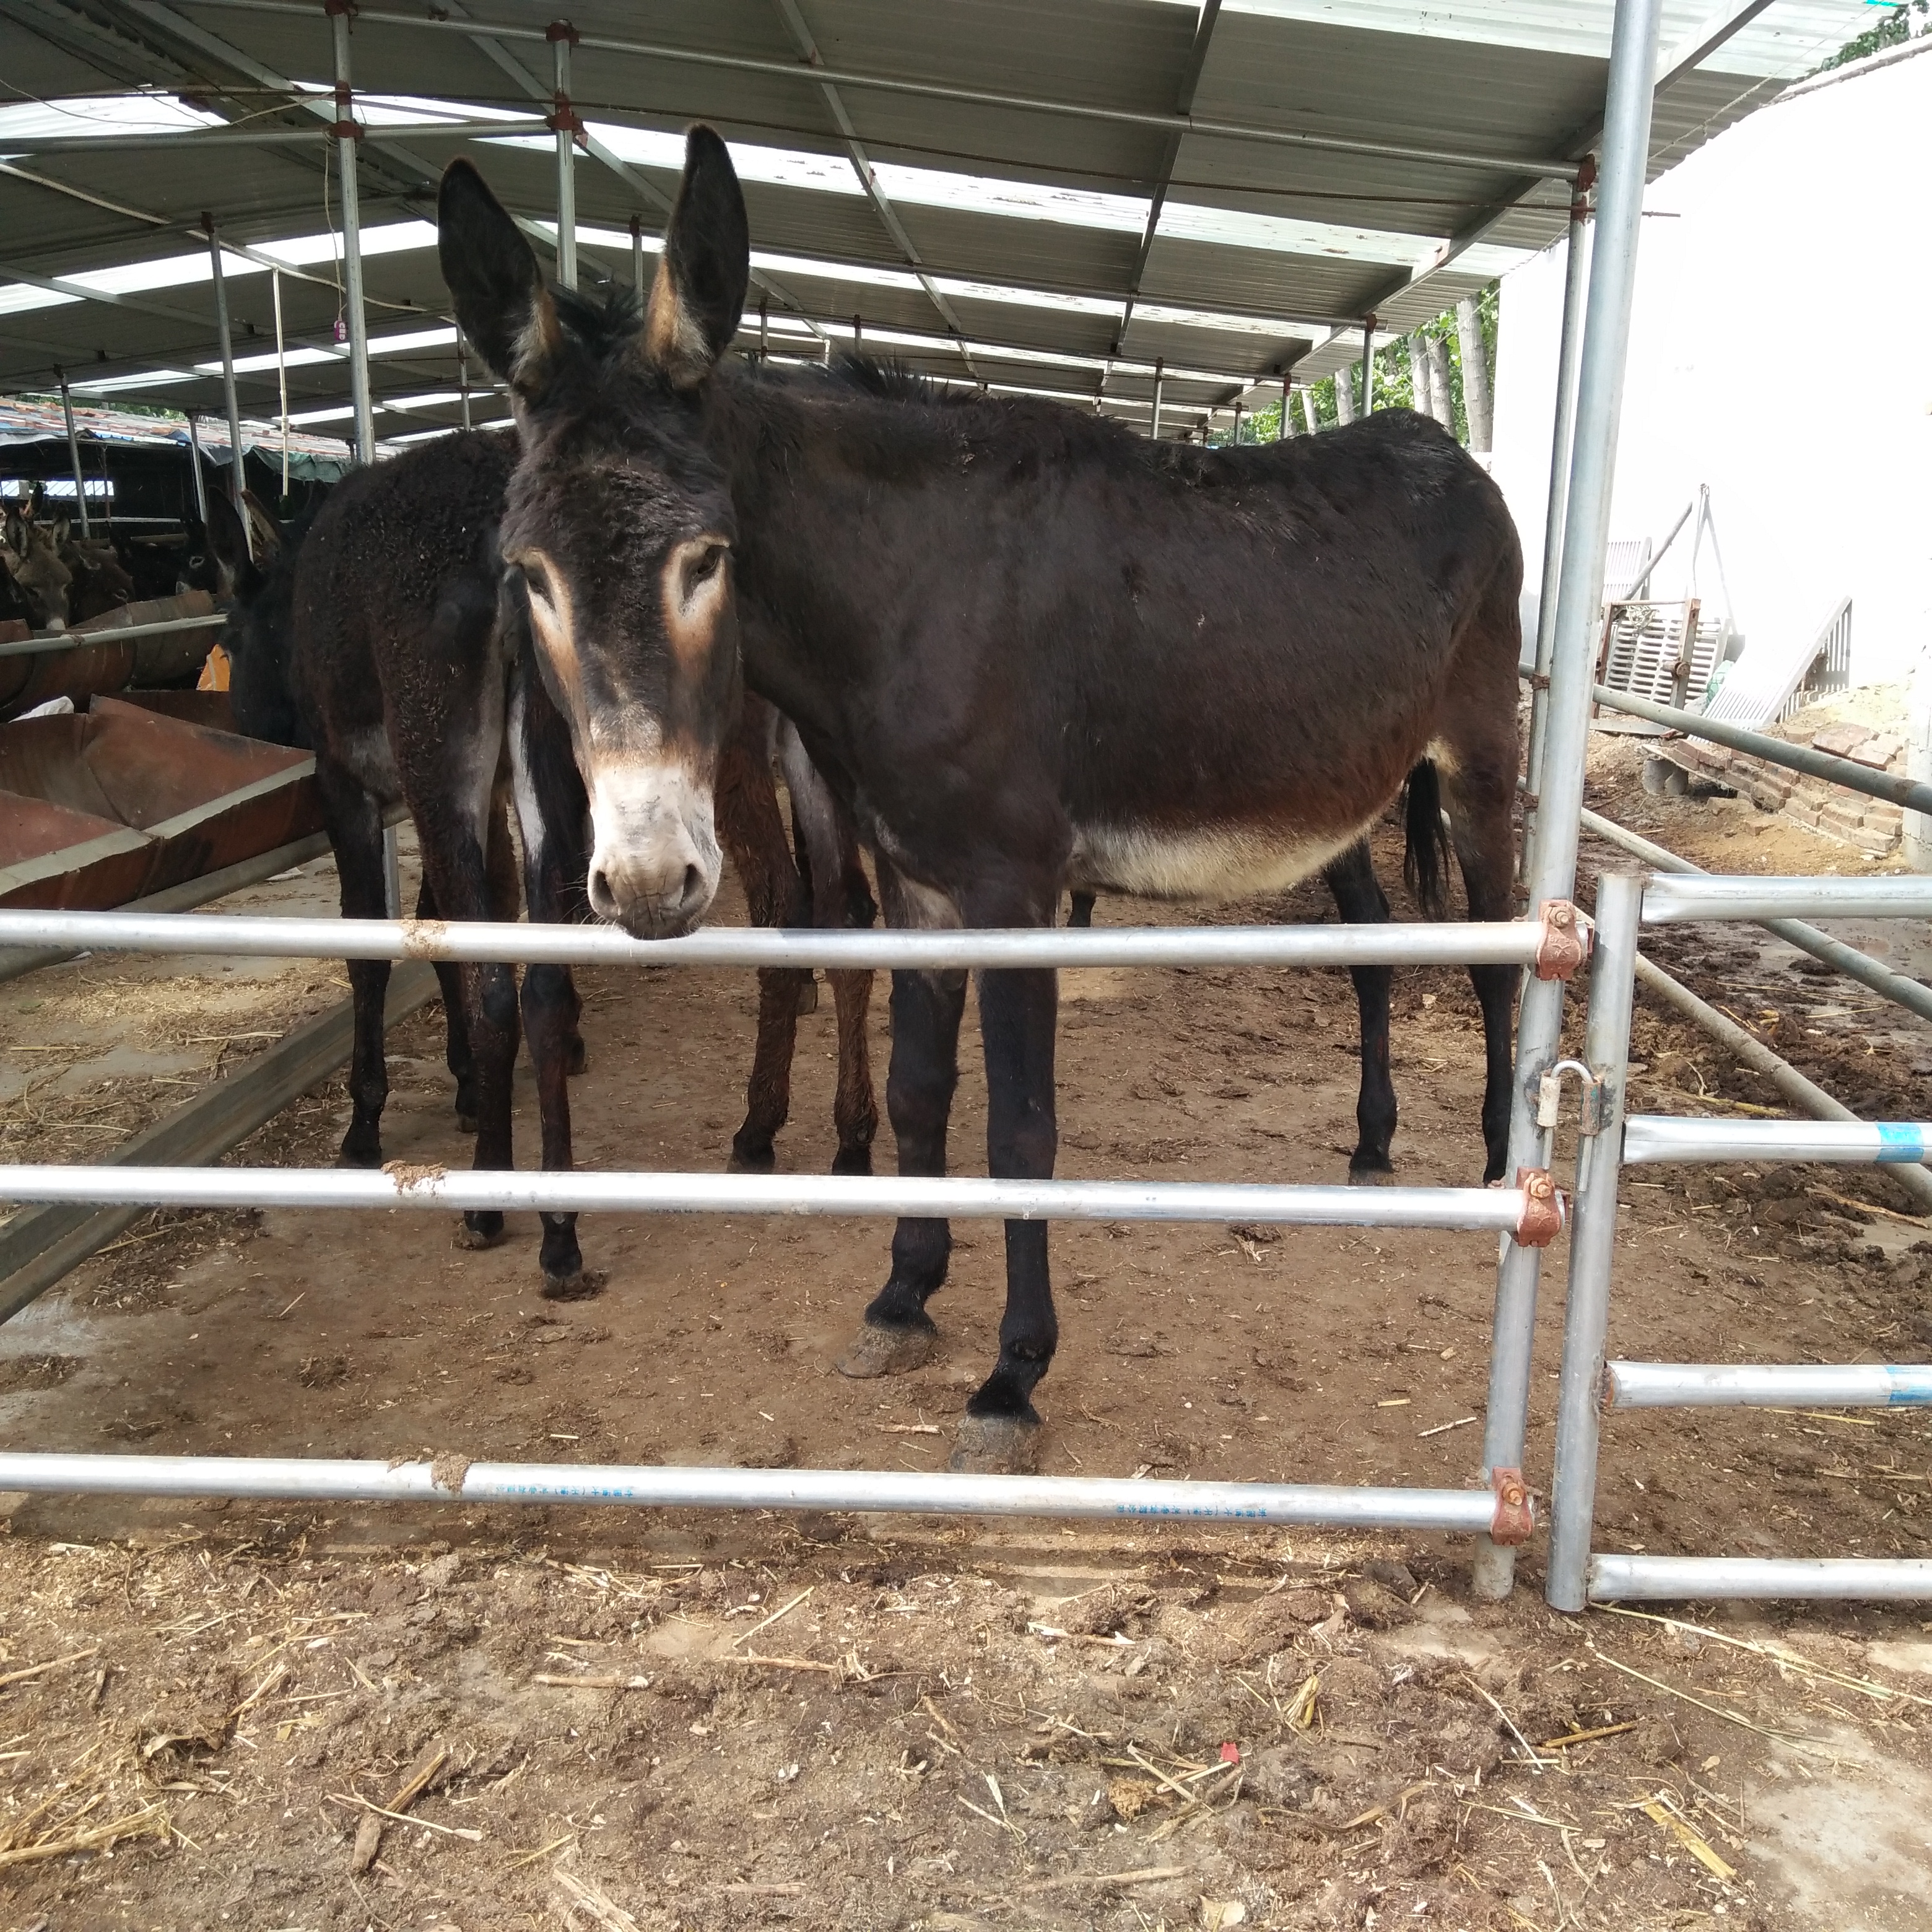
974, 96
862, 166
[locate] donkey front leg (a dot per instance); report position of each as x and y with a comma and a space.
355, 825
1361, 901
1000, 1434
898, 1334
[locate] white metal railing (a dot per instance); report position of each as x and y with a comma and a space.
1589, 1383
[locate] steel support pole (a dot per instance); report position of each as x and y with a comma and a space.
565, 120
194, 460
1368, 364
1236, 438
1580, 586
637, 273
347, 133
1285, 432
1570, 348
1160, 369
1593, 1230
392, 873
462, 376
1625, 1579
224, 341
74, 455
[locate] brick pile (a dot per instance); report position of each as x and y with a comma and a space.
1868, 824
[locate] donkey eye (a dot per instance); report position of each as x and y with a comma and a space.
706, 564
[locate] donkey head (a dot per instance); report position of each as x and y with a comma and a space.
618, 526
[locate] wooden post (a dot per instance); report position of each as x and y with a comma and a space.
1442, 397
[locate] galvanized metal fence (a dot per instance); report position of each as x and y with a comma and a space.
1609, 1142
1528, 1213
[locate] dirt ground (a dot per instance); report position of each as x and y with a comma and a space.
940, 1725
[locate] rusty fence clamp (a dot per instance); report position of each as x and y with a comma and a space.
1515, 1519
1542, 1212
1565, 944
345, 127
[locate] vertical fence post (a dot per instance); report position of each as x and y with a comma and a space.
463, 374
1570, 346
392, 874
347, 132
638, 262
562, 36
1368, 364
224, 341
1593, 1230
1286, 431
1159, 370
1585, 533
74, 455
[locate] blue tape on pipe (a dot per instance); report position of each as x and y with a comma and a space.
1911, 1388
1900, 1141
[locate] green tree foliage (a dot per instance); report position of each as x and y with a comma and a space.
1393, 388
1897, 27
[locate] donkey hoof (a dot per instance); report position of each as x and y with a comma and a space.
580, 1286
852, 1160
749, 1158
1372, 1176
357, 1157
996, 1445
465, 1124
876, 1350
576, 1060
487, 1236
808, 999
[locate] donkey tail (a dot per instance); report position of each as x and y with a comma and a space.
1425, 859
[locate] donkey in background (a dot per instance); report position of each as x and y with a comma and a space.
1029, 650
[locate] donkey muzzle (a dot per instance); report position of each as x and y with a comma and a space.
655, 863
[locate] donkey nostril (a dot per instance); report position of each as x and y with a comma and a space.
694, 883
600, 886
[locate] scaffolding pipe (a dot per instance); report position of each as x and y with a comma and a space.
1683, 898
1467, 1210
1749, 1385
1600, 386
347, 132
1573, 1491
562, 37
74, 455
1626, 1580
463, 377
302, 1479
1512, 943
1842, 771
224, 341
1569, 349
194, 457
1671, 1138
1286, 430
1368, 364
1912, 994
637, 275
1159, 369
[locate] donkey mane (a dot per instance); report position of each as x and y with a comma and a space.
604, 328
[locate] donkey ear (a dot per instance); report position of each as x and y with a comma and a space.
699, 294
501, 302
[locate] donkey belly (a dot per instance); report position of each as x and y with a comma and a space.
1207, 862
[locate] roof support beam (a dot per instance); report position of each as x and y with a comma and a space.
1183, 104
802, 38
976, 97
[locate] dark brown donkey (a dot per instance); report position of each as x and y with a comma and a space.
1030, 650
377, 638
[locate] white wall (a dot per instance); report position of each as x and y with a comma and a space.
1779, 352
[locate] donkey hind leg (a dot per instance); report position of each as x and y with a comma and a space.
897, 1333
457, 1056
1000, 1432
1479, 799
1361, 901
355, 823
1080, 913
550, 798
828, 854
749, 828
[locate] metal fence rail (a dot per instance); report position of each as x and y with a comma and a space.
314, 1479
1750, 1385
1481, 1209
1512, 943
43, 642
1589, 1384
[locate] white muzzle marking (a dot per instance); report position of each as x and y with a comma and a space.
655, 864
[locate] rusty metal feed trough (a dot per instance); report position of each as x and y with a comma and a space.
99, 808
32, 671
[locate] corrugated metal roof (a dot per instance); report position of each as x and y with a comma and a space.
1026, 212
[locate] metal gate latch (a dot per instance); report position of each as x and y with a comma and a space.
1542, 1219
1565, 941
1550, 1097
1515, 1519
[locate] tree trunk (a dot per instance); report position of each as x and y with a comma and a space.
1478, 393
1345, 380
1418, 376
1308, 411
1442, 397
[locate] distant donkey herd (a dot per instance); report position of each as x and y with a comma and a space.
1004, 649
